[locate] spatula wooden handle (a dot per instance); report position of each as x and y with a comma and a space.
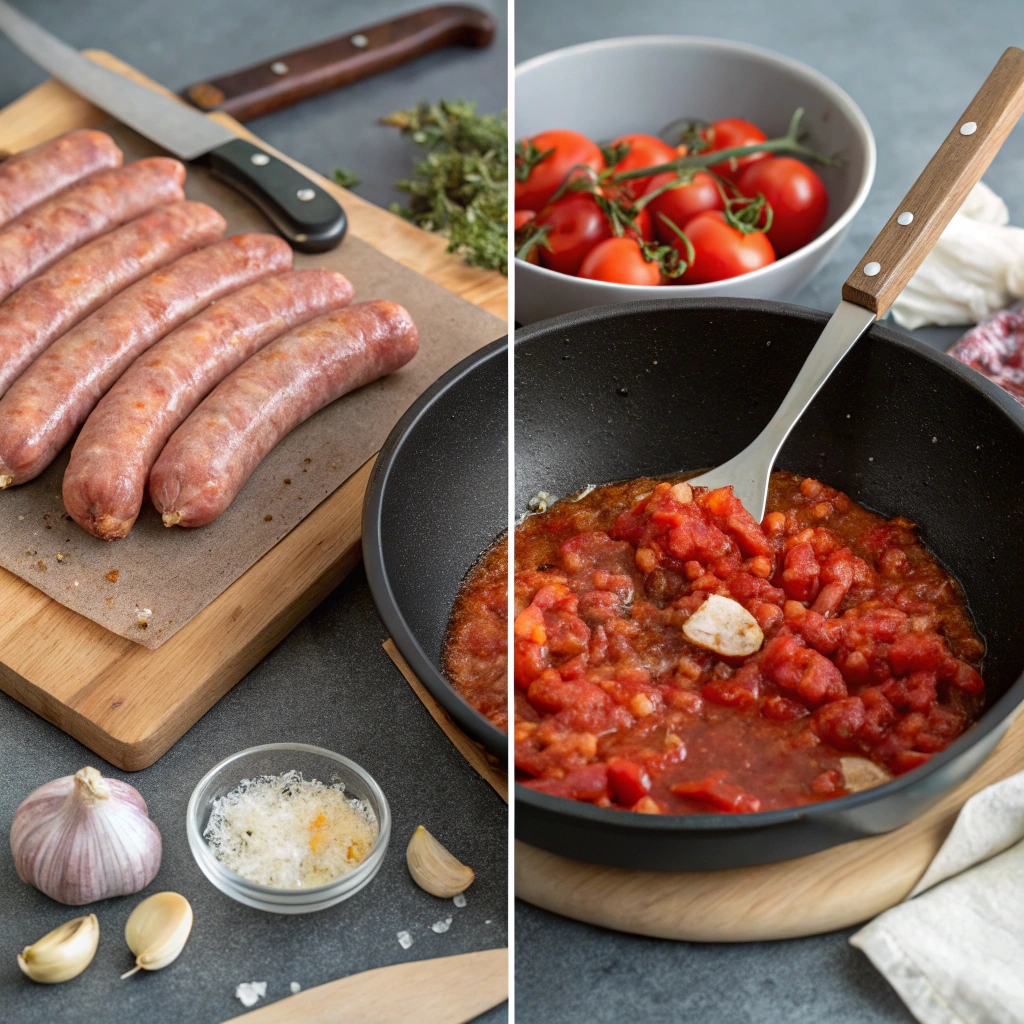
961, 160
445, 990
279, 81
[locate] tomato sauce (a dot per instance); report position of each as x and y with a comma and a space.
868, 666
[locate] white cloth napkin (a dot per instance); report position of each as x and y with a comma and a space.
954, 949
975, 269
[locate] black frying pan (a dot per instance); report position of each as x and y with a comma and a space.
648, 388
437, 498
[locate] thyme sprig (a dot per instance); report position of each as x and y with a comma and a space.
459, 188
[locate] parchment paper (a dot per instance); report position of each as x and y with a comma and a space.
174, 574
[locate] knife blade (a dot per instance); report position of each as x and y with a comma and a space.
444, 990
303, 212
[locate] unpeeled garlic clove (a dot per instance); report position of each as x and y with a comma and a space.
83, 838
62, 954
433, 868
156, 931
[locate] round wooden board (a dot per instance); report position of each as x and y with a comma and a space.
833, 889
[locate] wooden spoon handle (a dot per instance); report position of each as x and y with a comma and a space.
279, 81
956, 168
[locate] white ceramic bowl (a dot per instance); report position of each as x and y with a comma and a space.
641, 84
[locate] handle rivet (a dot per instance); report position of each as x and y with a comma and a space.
905, 218
279, 67
305, 194
359, 41
260, 159
968, 128
872, 268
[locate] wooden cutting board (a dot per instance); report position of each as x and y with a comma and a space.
130, 704
835, 888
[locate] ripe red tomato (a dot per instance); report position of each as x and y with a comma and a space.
729, 133
545, 177
620, 261
522, 218
644, 151
577, 224
644, 224
721, 251
683, 202
797, 197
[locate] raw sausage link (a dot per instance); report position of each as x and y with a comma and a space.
105, 481
211, 455
79, 214
29, 177
40, 311
53, 397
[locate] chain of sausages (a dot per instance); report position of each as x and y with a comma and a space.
186, 358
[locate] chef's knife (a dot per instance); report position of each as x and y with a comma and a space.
445, 990
307, 216
300, 74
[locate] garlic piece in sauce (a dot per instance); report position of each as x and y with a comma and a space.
433, 868
860, 773
724, 626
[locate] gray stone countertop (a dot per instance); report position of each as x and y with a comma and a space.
912, 66
329, 683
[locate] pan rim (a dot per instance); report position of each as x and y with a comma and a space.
465, 715
999, 716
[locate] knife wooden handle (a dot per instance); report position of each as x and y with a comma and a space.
445, 990
927, 208
296, 76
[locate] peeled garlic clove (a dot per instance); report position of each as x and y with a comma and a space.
156, 931
63, 953
433, 868
84, 838
724, 626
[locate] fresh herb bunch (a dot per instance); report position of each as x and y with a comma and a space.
460, 188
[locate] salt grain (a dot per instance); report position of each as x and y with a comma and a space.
404, 940
460, 900
295, 987
441, 926
249, 993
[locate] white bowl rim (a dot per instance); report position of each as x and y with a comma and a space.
836, 92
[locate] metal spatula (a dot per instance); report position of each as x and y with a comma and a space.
888, 265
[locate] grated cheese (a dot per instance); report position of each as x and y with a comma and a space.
287, 832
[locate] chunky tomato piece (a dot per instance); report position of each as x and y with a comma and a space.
628, 782
719, 794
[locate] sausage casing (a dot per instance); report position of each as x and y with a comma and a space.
211, 455
41, 310
81, 213
32, 176
105, 481
53, 397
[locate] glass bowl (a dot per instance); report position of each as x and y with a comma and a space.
275, 759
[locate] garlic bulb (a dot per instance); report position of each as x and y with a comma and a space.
156, 931
63, 953
83, 838
433, 868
